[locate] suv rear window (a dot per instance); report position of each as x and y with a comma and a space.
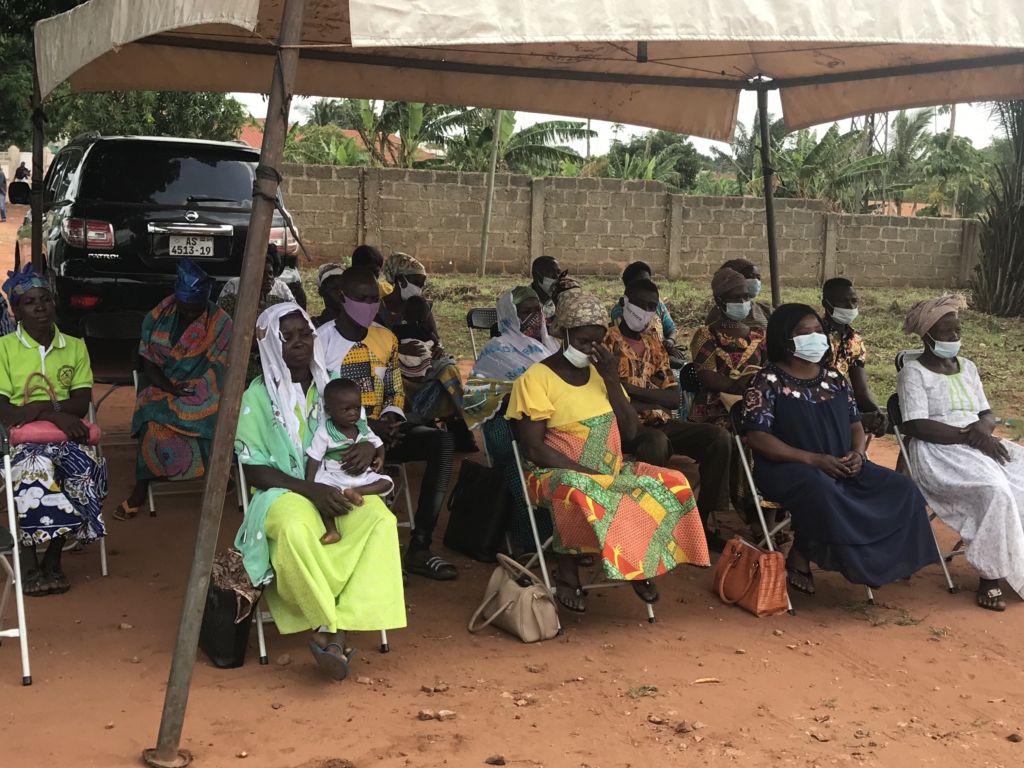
167, 174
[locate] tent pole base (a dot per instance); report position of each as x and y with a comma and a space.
180, 760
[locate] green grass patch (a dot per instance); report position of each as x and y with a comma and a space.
993, 343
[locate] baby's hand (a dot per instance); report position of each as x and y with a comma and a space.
378, 464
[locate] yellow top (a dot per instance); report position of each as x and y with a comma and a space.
385, 288
540, 394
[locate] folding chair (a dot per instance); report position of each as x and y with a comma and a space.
401, 480
736, 421
481, 319
261, 615
9, 549
595, 581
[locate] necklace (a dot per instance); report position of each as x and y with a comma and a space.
726, 323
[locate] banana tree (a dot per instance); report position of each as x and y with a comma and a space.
536, 149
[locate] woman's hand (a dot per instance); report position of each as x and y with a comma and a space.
328, 500
606, 364
437, 352
993, 448
854, 462
739, 386
358, 458
27, 413
830, 465
978, 434
875, 422
412, 348
72, 426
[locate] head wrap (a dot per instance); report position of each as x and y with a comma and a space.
740, 265
277, 377
327, 270
633, 269
579, 308
521, 292
725, 280
193, 286
401, 264
925, 314
20, 282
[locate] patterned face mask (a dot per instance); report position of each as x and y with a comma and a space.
532, 324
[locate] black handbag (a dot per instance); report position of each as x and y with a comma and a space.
480, 506
220, 637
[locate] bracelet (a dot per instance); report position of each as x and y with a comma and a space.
56, 405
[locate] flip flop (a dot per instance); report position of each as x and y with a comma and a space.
433, 567
34, 585
806, 576
577, 593
59, 581
125, 513
335, 666
647, 583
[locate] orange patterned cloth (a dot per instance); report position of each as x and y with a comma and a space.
652, 371
641, 519
848, 351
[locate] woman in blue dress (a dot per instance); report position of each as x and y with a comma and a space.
849, 515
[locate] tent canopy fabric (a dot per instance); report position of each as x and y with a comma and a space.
581, 58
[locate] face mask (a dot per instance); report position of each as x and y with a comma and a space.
810, 347
637, 319
362, 314
575, 356
546, 283
753, 287
409, 290
945, 349
531, 325
738, 311
844, 316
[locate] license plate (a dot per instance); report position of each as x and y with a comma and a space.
191, 245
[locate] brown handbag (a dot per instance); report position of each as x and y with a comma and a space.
753, 578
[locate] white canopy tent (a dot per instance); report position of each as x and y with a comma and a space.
678, 65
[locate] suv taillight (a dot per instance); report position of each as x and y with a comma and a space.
280, 235
83, 233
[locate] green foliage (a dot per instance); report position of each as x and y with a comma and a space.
343, 113
957, 167
710, 184
15, 91
322, 145
687, 161
537, 149
745, 160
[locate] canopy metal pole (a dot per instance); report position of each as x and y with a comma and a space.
222, 453
769, 193
37, 175
486, 236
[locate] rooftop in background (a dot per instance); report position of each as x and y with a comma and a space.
252, 134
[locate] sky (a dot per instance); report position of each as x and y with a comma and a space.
972, 121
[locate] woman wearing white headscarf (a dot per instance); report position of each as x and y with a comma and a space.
523, 341
972, 480
353, 585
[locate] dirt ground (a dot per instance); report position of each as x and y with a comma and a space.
922, 678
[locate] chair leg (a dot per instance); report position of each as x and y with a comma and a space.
650, 614
757, 505
19, 594
8, 586
260, 636
408, 498
103, 555
149, 494
384, 647
871, 595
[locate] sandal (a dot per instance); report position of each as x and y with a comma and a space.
586, 560
806, 586
125, 513
333, 664
577, 592
433, 567
990, 600
33, 584
647, 585
59, 582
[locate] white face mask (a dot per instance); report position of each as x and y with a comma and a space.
753, 287
637, 319
409, 290
810, 346
737, 310
546, 283
576, 357
844, 316
947, 350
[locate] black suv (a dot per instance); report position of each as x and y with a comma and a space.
120, 212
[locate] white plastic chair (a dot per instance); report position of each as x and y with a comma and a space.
9, 549
597, 580
261, 616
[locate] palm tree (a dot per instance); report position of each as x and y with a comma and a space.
535, 149
661, 167
326, 112
745, 160
909, 135
416, 125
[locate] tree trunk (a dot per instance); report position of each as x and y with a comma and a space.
952, 127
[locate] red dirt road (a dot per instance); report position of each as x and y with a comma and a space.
924, 678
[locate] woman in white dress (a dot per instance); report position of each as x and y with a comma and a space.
973, 480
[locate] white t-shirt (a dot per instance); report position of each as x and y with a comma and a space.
327, 446
280, 289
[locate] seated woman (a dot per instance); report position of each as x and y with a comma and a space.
183, 350
59, 487
523, 341
972, 480
273, 285
352, 586
760, 312
662, 327
573, 416
269, 296
438, 393
849, 515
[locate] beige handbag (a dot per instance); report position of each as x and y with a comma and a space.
527, 612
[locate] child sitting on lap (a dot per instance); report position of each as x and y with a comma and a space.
414, 328
345, 426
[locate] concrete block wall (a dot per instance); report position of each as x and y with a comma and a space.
597, 226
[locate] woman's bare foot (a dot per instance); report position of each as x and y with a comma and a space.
798, 572
323, 639
331, 537
568, 590
990, 596
355, 498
